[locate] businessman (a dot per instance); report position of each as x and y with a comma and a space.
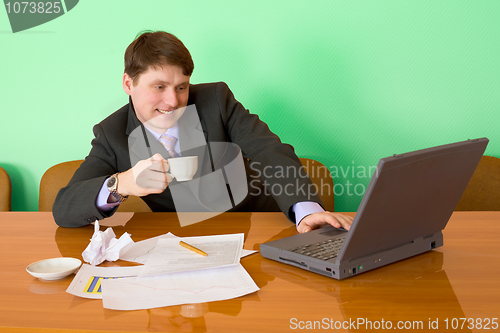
157, 75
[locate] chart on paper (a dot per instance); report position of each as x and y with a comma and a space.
88, 280
94, 284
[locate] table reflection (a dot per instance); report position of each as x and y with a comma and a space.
419, 288
178, 318
46, 287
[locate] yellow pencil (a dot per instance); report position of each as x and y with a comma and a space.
192, 248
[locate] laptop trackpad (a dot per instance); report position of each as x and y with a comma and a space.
332, 231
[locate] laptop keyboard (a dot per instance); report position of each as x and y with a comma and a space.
324, 250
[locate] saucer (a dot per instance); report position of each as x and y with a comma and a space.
54, 269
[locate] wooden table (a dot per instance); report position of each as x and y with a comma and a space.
459, 280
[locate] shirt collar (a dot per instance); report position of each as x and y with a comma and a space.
174, 131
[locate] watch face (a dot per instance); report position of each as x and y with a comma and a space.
111, 181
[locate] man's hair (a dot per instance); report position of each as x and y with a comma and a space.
155, 49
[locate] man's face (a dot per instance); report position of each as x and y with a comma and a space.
159, 96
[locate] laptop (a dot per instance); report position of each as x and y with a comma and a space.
408, 203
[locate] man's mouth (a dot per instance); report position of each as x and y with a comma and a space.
165, 111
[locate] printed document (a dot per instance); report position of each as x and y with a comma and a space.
170, 257
140, 251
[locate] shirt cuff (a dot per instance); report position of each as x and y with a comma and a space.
102, 199
304, 208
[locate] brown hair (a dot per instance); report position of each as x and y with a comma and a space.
154, 49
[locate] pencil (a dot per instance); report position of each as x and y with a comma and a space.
192, 248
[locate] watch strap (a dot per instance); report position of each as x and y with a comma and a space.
113, 190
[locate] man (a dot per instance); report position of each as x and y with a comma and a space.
157, 73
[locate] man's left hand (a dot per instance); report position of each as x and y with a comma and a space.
321, 219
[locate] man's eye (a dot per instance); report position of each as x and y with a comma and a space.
159, 87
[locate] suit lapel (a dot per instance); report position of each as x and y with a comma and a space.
193, 140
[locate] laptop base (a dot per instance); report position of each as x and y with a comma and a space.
346, 268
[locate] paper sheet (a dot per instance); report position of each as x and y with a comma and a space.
87, 282
139, 251
199, 286
245, 253
170, 257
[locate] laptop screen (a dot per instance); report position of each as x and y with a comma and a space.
412, 195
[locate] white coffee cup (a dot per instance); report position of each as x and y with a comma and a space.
183, 168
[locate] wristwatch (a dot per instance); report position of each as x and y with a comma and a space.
113, 186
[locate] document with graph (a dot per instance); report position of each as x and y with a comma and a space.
87, 282
213, 284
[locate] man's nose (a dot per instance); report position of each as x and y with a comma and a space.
170, 98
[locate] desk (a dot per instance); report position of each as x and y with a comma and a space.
459, 280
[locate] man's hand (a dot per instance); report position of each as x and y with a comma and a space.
146, 177
321, 219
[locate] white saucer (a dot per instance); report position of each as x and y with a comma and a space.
54, 269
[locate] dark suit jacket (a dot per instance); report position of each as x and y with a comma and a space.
222, 119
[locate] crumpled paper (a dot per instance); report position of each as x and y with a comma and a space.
104, 246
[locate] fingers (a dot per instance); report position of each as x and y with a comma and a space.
158, 163
303, 227
321, 219
152, 179
341, 220
169, 177
151, 175
160, 167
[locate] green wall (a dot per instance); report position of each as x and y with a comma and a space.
345, 82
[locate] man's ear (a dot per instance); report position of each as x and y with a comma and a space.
127, 84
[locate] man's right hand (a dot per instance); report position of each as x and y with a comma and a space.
146, 177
